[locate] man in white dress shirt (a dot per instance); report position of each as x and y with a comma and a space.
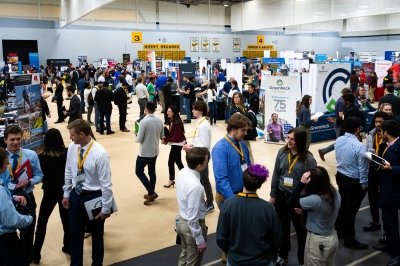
191, 226
87, 176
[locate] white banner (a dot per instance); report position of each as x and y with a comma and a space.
380, 68
280, 106
327, 82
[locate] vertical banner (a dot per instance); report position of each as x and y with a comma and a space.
280, 106
326, 84
34, 60
126, 58
380, 68
29, 109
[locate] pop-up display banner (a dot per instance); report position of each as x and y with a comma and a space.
280, 99
381, 68
235, 70
326, 84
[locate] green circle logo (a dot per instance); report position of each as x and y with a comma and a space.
279, 82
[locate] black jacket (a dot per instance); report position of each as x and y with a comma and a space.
103, 98
75, 111
389, 183
120, 97
59, 93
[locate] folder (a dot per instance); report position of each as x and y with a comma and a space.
24, 171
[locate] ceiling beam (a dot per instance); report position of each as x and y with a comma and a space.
73, 10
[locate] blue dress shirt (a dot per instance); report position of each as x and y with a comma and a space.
350, 158
10, 219
37, 171
227, 167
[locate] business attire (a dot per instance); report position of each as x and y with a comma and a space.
191, 226
121, 100
389, 199
59, 100
352, 180
176, 138
17, 159
287, 174
103, 99
149, 135
74, 111
53, 168
10, 220
96, 182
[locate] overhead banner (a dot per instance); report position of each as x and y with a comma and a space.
326, 84
261, 47
158, 46
280, 106
29, 110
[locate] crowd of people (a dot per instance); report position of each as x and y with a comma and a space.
250, 230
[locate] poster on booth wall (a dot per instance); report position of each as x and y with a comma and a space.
29, 110
280, 107
326, 84
381, 68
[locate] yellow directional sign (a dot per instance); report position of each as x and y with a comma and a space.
137, 36
260, 39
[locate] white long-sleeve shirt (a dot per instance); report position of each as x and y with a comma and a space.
97, 172
190, 196
202, 134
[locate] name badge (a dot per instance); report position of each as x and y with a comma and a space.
80, 178
11, 186
288, 181
244, 167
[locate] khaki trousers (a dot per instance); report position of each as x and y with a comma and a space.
314, 256
190, 255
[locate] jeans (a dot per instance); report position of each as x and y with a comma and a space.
141, 163
107, 115
78, 220
49, 201
188, 110
213, 112
174, 157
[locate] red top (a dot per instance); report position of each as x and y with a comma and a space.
176, 132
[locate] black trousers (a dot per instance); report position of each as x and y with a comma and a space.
122, 116
205, 181
373, 193
10, 248
390, 218
60, 111
174, 158
142, 104
286, 216
49, 201
352, 194
27, 234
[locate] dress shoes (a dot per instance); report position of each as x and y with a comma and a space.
66, 250
321, 155
186, 121
383, 239
110, 132
372, 227
354, 243
394, 261
125, 130
150, 198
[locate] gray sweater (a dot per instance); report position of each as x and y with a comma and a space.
149, 135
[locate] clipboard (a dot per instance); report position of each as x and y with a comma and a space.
376, 159
93, 207
24, 171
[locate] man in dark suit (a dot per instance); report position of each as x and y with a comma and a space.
389, 186
121, 100
104, 98
393, 100
59, 100
74, 112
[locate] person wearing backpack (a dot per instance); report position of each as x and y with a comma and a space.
89, 101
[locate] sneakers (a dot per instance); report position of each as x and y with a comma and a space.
210, 208
280, 261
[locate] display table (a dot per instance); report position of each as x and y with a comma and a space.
323, 130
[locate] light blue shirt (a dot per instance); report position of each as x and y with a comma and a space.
36, 170
10, 219
227, 167
350, 158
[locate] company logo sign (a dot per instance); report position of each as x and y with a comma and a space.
279, 82
337, 75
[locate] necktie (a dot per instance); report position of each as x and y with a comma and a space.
15, 158
79, 184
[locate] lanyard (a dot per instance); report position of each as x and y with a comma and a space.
241, 108
291, 164
18, 164
82, 161
247, 195
198, 125
377, 143
240, 151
